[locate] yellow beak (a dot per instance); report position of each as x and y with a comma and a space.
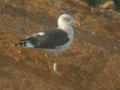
76, 23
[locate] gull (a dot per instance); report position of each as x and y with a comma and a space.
57, 39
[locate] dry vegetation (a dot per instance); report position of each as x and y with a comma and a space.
91, 63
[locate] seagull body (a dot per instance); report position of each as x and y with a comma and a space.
58, 39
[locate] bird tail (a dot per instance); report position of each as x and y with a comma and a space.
24, 43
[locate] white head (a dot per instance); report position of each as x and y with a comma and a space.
65, 21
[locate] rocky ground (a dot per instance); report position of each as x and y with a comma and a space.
91, 63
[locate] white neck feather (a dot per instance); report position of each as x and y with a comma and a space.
64, 26
67, 28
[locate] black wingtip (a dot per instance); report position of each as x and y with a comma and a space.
21, 44
18, 45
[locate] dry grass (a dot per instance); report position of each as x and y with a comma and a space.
91, 63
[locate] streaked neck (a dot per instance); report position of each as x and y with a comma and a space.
65, 27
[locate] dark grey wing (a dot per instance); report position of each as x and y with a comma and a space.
50, 40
